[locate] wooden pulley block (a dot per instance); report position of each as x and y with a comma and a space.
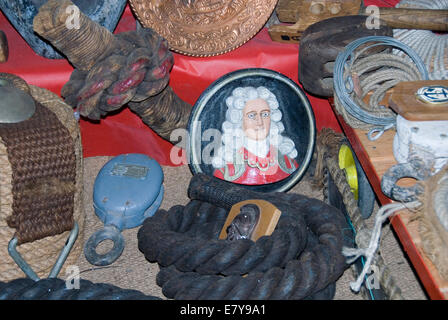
322, 42
420, 100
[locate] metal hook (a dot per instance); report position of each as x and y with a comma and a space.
26, 268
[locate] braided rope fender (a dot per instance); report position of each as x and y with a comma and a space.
40, 254
302, 256
57, 289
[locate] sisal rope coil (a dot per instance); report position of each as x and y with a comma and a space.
433, 220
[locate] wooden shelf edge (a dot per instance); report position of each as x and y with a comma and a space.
435, 286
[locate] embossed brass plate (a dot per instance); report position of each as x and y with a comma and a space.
204, 28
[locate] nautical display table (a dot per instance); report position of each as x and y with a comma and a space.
124, 132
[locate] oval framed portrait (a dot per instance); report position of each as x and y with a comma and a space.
254, 127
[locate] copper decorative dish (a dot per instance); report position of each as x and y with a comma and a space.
204, 28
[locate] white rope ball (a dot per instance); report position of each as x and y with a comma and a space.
431, 47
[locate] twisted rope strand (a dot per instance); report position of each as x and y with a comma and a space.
382, 215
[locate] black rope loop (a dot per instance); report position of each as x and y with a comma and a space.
295, 282
302, 258
57, 289
185, 237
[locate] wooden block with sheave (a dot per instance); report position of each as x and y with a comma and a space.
420, 100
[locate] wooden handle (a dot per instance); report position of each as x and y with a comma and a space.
397, 18
427, 19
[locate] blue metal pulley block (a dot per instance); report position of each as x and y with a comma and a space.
127, 190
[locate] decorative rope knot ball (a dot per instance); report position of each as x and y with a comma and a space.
112, 70
135, 68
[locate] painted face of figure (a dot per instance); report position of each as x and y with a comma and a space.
256, 119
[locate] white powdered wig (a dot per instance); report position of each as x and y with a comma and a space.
234, 138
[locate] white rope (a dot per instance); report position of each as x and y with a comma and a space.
431, 47
353, 254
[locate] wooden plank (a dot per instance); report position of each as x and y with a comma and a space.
304, 13
311, 11
286, 10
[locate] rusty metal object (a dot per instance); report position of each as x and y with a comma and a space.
204, 28
4, 51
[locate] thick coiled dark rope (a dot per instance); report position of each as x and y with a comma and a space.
185, 237
301, 257
56, 289
295, 282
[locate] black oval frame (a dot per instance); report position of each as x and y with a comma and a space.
295, 107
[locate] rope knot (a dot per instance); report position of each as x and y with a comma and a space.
112, 70
136, 68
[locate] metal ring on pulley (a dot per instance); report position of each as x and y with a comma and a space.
109, 232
